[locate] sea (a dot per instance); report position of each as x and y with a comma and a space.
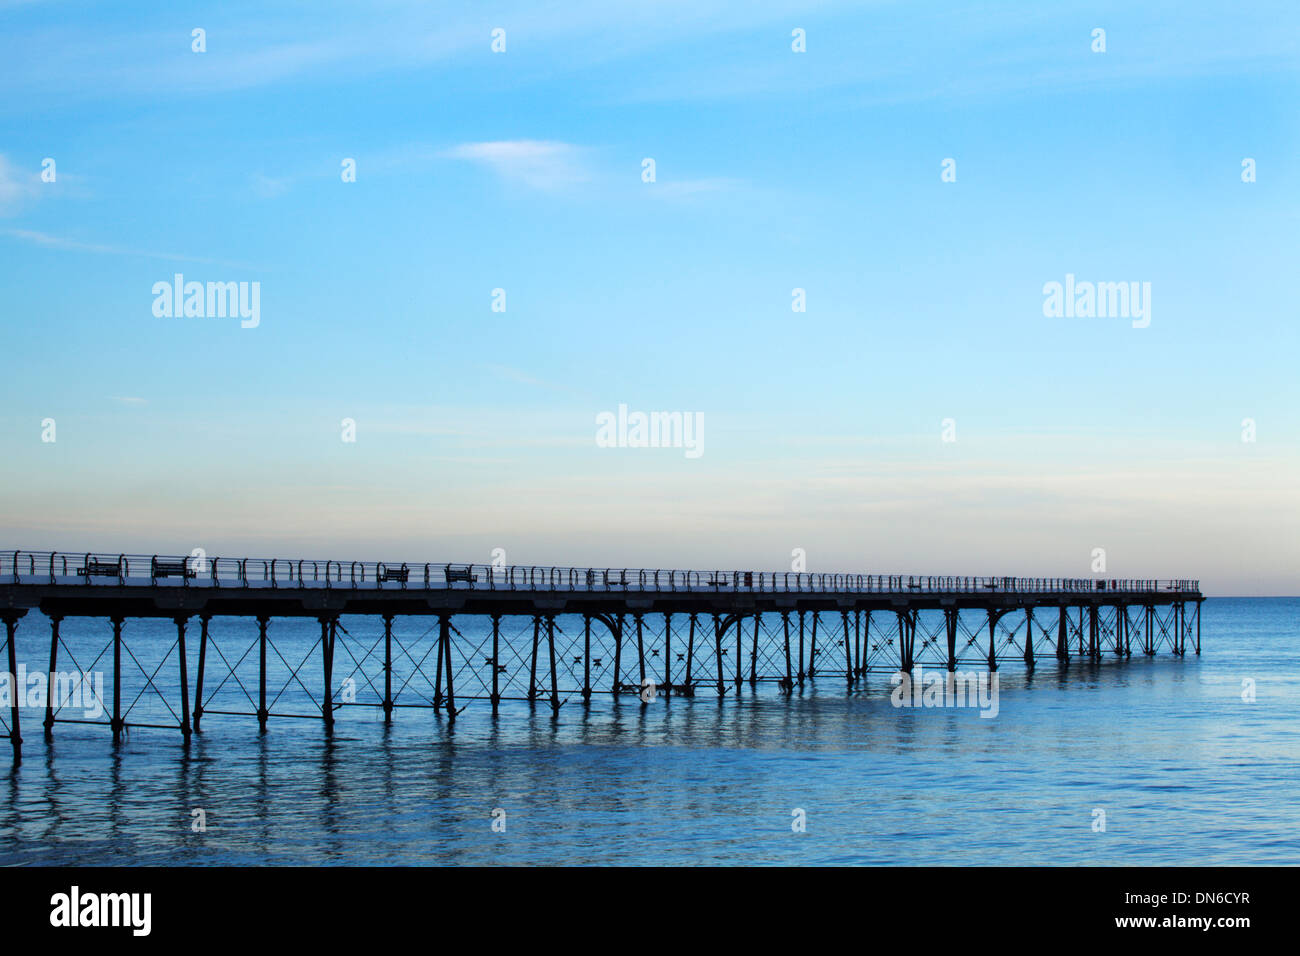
1131, 762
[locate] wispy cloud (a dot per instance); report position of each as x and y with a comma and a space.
540, 164
74, 245
962, 53
268, 187
250, 46
16, 185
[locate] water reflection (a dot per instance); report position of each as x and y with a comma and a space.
1168, 746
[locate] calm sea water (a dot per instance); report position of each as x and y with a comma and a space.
1186, 771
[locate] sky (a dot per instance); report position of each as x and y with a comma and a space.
921, 171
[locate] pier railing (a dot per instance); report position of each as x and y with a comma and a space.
97, 569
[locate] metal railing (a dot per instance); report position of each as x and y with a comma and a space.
97, 569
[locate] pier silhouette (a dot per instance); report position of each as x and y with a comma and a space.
684, 632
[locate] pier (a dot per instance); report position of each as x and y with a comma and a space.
552, 635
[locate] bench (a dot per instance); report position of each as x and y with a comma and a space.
100, 569
401, 574
619, 579
171, 569
460, 574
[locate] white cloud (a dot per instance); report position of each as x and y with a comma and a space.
15, 185
541, 164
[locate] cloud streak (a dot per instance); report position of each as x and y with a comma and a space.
73, 245
16, 186
539, 164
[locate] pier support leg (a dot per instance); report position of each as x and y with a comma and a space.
789, 674
327, 636
437, 680
668, 653
388, 668
262, 621
857, 641
740, 650
444, 625
950, 624
198, 678
1198, 628
586, 658
550, 650
690, 659
1081, 653
532, 670
864, 654
16, 693
116, 723
640, 648
1148, 648
800, 673
618, 655
812, 652
848, 649
993, 634
753, 650
496, 659
1094, 644
54, 664
184, 676
717, 640
904, 642
1063, 636
1029, 638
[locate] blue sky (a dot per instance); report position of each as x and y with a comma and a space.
775, 170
